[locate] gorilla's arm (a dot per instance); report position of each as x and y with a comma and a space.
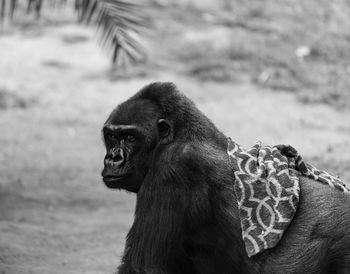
183, 209
155, 242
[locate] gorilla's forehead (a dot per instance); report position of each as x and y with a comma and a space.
134, 112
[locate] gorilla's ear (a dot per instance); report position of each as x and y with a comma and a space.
165, 131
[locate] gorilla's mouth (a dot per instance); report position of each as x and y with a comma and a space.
110, 178
113, 181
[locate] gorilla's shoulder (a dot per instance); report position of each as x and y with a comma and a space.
194, 156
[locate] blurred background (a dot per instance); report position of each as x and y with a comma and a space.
275, 71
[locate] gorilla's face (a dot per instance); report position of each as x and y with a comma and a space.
131, 134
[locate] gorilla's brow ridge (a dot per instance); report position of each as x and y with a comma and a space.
119, 127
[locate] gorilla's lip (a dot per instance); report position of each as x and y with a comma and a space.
113, 178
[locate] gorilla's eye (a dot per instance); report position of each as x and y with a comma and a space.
111, 136
131, 138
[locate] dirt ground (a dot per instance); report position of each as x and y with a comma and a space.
56, 90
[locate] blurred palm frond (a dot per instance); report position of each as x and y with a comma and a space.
119, 22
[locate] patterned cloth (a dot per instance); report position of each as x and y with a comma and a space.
267, 190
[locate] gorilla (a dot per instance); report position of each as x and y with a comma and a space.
162, 148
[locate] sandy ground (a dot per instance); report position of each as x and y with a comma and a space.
56, 216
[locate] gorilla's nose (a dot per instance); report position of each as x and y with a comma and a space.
118, 156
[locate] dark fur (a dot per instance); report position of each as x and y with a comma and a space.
186, 217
